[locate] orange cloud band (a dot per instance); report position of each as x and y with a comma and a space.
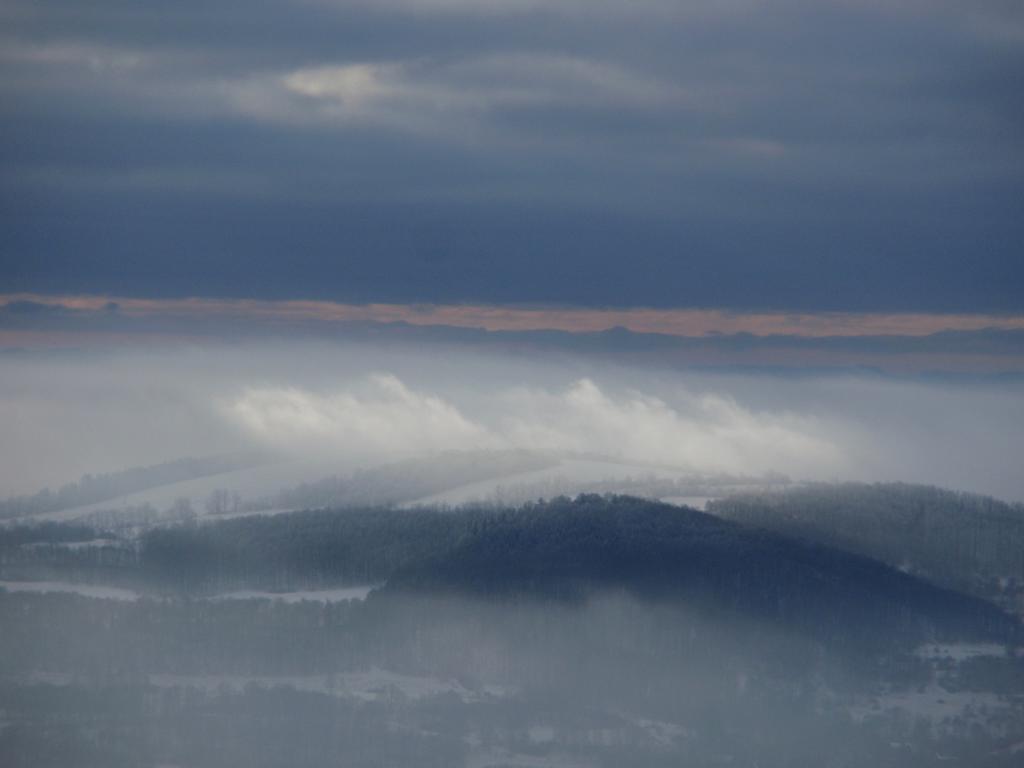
675, 322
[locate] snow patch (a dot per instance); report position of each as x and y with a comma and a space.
85, 590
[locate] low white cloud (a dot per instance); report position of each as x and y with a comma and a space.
700, 431
381, 416
65, 415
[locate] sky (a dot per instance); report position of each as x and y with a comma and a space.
744, 236
745, 155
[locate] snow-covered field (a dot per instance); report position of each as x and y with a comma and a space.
335, 595
564, 475
959, 651
946, 709
250, 483
503, 758
942, 710
367, 685
314, 595
86, 590
694, 502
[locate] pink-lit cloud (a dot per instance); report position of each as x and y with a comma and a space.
674, 322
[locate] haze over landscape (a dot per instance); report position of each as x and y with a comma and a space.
511, 383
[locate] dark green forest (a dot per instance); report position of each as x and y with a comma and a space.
964, 541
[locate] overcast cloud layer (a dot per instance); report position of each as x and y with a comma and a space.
799, 155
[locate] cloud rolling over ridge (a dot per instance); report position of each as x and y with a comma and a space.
382, 417
342, 405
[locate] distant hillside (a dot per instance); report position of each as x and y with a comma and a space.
91, 489
959, 540
406, 481
562, 550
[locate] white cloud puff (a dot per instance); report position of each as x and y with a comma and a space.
707, 433
381, 417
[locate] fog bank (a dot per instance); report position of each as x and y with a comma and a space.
350, 405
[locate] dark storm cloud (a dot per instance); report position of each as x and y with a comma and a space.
837, 155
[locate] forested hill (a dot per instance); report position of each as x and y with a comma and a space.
960, 540
565, 548
559, 550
